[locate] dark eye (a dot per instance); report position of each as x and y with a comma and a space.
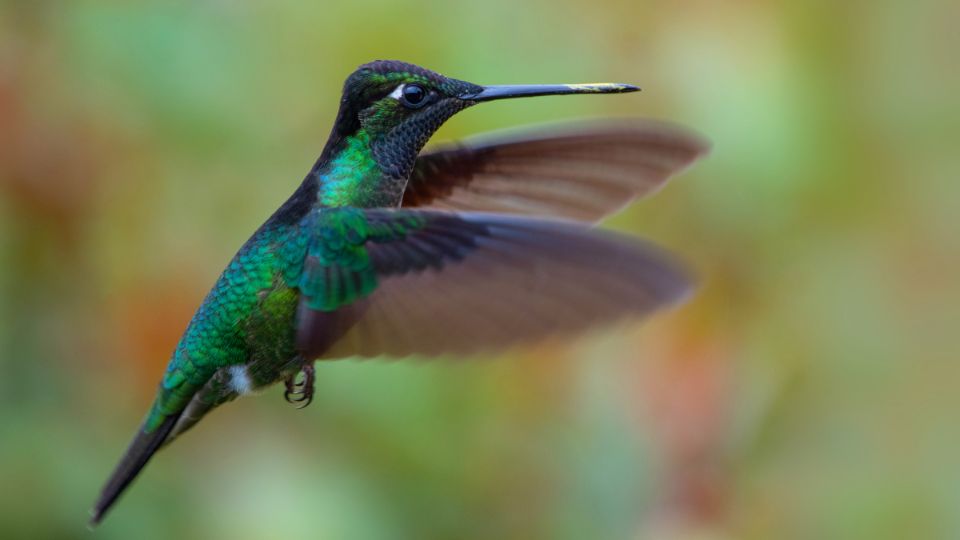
413, 96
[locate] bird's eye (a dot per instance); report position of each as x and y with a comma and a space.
413, 96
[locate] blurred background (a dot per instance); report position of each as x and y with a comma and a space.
809, 389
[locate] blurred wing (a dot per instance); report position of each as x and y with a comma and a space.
579, 171
434, 283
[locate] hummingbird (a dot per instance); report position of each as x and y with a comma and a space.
387, 251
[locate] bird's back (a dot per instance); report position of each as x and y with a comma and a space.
246, 318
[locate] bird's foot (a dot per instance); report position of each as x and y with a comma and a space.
300, 392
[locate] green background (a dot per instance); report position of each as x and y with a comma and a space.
809, 390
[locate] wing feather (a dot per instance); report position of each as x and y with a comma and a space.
465, 283
583, 171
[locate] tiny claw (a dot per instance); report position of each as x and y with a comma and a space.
300, 393
290, 390
302, 403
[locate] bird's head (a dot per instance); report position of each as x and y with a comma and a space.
398, 106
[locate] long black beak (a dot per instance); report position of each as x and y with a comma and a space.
490, 93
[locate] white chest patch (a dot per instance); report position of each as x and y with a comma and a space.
240, 381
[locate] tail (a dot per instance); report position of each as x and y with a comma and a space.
140, 451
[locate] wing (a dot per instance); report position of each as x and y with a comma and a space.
407, 282
580, 171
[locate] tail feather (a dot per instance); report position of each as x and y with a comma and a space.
138, 453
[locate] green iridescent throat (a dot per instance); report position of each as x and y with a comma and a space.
352, 177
